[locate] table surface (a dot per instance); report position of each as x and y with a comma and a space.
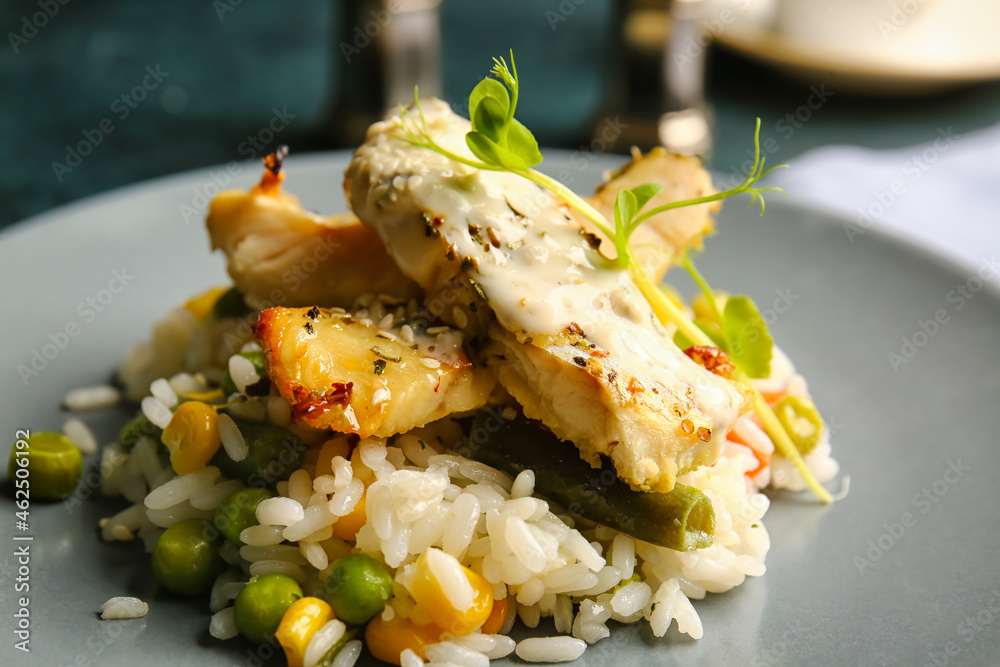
224, 73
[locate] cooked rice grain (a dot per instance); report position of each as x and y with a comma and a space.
550, 649
92, 398
124, 607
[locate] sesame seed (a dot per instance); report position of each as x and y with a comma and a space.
386, 322
430, 363
406, 333
433, 331
381, 395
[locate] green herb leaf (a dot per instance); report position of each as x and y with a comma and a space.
521, 142
489, 118
492, 153
644, 193
492, 89
749, 340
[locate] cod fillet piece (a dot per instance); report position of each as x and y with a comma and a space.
354, 377
279, 254
572, 340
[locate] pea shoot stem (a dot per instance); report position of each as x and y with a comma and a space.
703, 285
666, 310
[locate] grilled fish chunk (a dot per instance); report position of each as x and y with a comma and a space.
279, 254
665, 234
574, 340
340, 373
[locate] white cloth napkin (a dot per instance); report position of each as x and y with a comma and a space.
945, 194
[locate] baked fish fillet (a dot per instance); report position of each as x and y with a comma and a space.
574, 342
354, 376
662, 236
277, 253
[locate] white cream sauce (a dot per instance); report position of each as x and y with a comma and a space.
543, 276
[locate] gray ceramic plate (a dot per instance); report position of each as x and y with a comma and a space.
904, 571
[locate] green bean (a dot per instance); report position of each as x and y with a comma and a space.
239, 511
138, 428
230, 304
273, 454
261, 604
357, 588
801, 421
682, 519
257, 359
186, 558
52, 464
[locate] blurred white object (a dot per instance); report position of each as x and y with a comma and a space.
755, 13
922, 33
941, 194
684, 128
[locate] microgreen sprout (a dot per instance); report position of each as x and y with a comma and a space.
502, 143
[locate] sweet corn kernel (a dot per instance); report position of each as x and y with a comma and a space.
386, 640
200, 306
299, 624
347, 526
430, 597
192, 436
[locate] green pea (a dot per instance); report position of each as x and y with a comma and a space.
239, 511
801, 420
257, 359
138, 428
261, 604
273, 454
52, 464
186, 558
230, 304
358, 588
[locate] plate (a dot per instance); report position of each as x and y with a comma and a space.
903, 571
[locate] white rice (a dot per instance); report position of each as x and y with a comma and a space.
223, 624
243, 373
458, 511
92, 398
124, 607
322, 641
348, 655
457, 654
550, 649
265, 567
524, 484
185, 383
279, 512
163, 392
156, 412
410, 659
232, 440
225, 589
81, 435
312, 519
182, 488
210, 498
300, 487
263, 535
282, 552
129, 519
631, 598
177, 513
492, 646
